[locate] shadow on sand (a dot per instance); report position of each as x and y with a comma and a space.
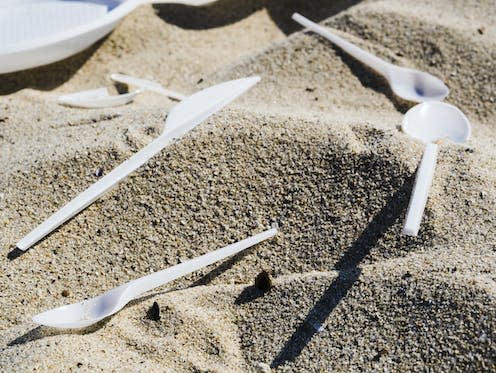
224, 12
349, 272
217, 14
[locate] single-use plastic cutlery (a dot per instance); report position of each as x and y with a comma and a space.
409, 84
185, 116
39, 32
90, 311
100, 97
96, 98
430, 122
147, 84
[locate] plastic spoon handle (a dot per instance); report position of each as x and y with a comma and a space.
147, 283
93, 192
423, 182
367, 58
147, 84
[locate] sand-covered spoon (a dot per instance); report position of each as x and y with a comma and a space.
430, 122
90, 311
183, 118
409, 84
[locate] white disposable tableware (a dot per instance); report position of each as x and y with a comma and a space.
96, 98
90, 311
147, 84
406, 83
183, 118
100, 98
430, 122
38, 32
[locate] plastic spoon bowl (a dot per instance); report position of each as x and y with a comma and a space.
183, 118
90, 311
36, 33
409, 84
431, 123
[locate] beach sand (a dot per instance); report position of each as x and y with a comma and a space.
315, 146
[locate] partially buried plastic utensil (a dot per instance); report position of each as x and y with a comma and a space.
90, 311
185, 116
430, 122
36, 33
409, 84
147, 84
96, 98
100, 97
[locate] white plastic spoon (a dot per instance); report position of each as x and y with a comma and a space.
430, 122
406, 83
36, 33
90, 311
96, 98
183, 118
147, 84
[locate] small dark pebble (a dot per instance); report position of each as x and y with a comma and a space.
200, 81
153, 312
469, 150
309, 89
65, 293
79, 365
263, 281
99, 172
406, 275
481, 30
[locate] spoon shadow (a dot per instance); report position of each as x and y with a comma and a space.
370, 79
41, 332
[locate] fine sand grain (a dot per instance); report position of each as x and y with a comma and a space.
315, 147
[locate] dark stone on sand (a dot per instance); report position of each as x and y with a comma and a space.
153, 312
263, 281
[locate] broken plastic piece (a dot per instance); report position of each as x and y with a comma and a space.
147, 84
96, 98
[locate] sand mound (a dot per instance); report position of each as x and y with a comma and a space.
315, 146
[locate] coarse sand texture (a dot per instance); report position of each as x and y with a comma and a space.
316, 146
